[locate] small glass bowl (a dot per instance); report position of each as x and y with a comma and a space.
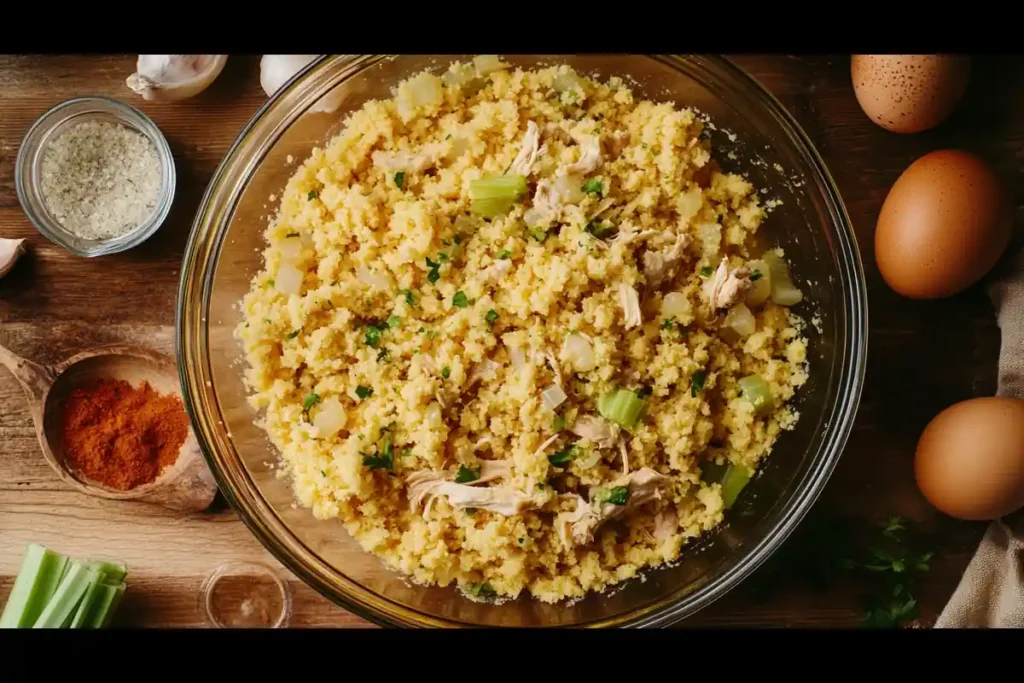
30, 157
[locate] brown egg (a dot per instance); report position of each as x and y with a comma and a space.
909, 93
970, 459
944, 224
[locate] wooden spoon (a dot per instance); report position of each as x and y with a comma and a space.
187, 485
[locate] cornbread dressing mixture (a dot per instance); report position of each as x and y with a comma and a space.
515, 332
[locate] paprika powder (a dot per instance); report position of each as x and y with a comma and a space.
121, 436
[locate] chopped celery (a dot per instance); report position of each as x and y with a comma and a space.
493, 196
113, 571
40, 574
784, 292
733, 481
756, 390
623, 407
67, 596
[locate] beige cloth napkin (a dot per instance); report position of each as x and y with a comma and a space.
991, 592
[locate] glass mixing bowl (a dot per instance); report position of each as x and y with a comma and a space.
225, 249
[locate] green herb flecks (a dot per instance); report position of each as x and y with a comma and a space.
364, 392
460, 300
313, 194
593, 186
491, 316
434, 274
393, 322
706, 271
311, 400
400, 179
755, 276
293, 334
697, 382
616, 495
482, 590
466, 475
410, 298
446, 372
504, 254
563, 457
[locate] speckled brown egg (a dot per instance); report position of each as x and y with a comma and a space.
969, 461
909, 93
943, 225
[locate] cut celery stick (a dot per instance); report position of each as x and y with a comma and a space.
40, 574
756, 390
67, 596
491, 196
88, 601
105, 606
623, 407
114, 571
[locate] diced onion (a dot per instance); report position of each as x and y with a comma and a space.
740, 320
756, 390
688, 204
486, 64
330, 418
485, 369
433, 417
761, 288
533, 217
675, 305
710, 235
578, 352
570, 188
375, 280
290, 248
288, 279
784, 293
553, 397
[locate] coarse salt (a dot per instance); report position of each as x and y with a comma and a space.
100, 180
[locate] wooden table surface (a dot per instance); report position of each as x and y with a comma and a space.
923, 356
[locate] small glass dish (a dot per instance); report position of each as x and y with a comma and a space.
246, 595
33, 149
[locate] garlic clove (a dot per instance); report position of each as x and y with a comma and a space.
10, 252
276, 70
168, 78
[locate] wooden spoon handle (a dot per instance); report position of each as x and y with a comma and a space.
35, 379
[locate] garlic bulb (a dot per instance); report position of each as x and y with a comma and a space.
167, 78
10, 252
276, 70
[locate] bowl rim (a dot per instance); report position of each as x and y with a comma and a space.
839, 418
24, 166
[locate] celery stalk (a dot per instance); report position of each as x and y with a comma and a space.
102, 609
67, 596
756, 390
40, 574
493, 196
734, 480
113, 571
623, 407
88, 601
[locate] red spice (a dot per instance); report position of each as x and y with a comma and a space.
120, 436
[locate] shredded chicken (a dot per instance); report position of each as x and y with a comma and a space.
553, 362
424, 486
440, 399
660, 266
597, 430
725, 288
625, 455
629, 300
578, 526
530, 151
483, 441
590, 157
548, 203
408, 162
666, 523
628, 237
544, 446
497, 269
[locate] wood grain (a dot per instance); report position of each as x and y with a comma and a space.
923, 356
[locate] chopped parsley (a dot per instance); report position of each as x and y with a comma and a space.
706, 271
380, 462
563, 457
460, 300
323, 473
616, 495
601, 229
446, 372
372, 334
697, 382
400, 179
558, 423
393, 321
382, 355
667, 324
311, 400
491, 316
504, 254
435, 271
755, 276
409, 297
292, 335
458, 239
644, 392
442, 257
291, 234
593, 186
364, 392
313, 194
466, 475
482, 590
